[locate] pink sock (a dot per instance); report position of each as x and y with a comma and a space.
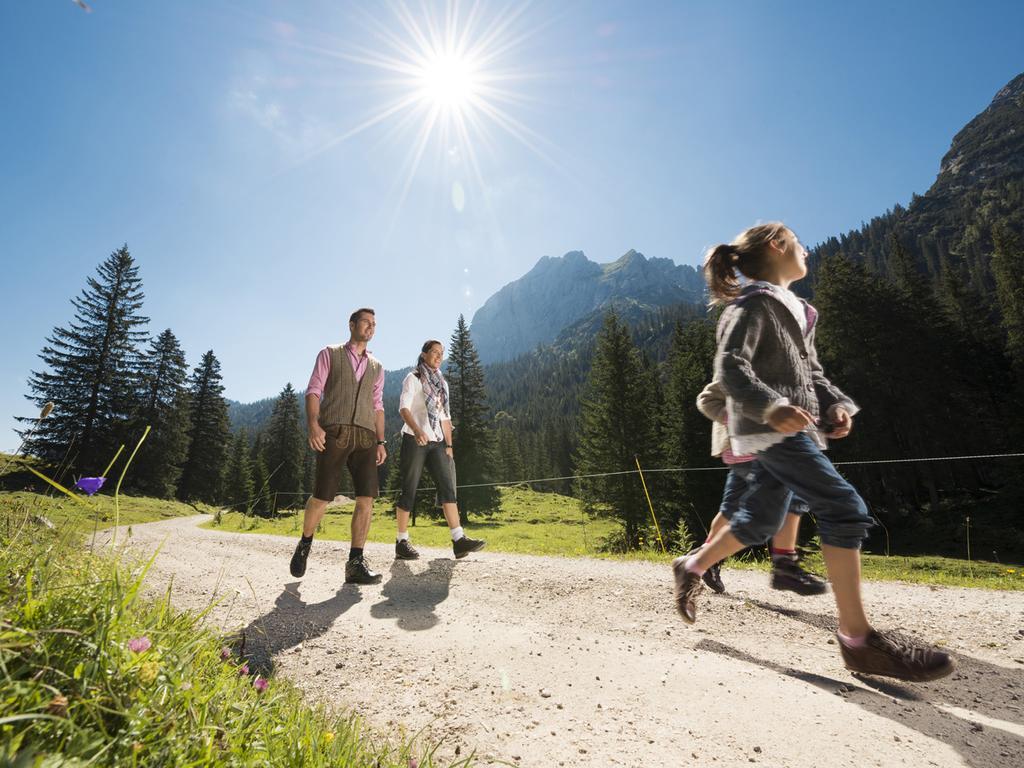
852, 642
692, 567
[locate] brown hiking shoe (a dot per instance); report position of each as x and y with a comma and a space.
687, 587
892, 656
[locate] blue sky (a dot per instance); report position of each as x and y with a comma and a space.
205, 136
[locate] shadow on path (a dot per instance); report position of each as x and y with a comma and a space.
992, 693
412, 598
291, 621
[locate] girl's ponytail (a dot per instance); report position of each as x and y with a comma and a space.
721, 273
726, 264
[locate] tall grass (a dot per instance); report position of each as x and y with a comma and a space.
91, 672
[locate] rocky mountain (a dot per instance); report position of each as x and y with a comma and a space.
559, 292
979, 190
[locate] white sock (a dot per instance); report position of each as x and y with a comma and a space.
457, 533
403, 536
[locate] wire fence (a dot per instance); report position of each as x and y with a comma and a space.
563, 478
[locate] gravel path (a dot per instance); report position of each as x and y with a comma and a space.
542, 662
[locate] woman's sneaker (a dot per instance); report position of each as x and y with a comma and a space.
687, 587
891, 656
465, 545
405, 551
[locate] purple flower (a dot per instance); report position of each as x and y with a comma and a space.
225, 653
243, 670
89, 485
139, 644
260, 684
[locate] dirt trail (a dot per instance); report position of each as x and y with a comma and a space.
540, 661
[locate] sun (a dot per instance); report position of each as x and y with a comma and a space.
449, 81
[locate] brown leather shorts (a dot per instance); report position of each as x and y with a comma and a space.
350, 446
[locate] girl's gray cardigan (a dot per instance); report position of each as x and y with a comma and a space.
764, 360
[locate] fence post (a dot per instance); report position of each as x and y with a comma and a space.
649, 504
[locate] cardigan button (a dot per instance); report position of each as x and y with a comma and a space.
803, 355
810, 387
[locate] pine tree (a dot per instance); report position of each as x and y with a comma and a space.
471, 434
208, 435
1008, 270
284, 448
616, 428
238, 488
509, 456
93, 366
691, 497
260, 477
163, 405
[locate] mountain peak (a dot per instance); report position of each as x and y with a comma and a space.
558, 292
989, 147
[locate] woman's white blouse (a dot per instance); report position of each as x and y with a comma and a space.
415, 400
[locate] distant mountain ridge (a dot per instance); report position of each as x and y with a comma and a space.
560, 291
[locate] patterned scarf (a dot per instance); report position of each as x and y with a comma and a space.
435, 393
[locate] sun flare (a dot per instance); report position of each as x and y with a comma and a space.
449, 81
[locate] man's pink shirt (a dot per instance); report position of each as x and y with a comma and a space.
322, 369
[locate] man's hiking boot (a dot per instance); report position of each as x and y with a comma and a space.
891, 656
687, 587
357, 572
788, 574
465, 545
298, 564
404, 550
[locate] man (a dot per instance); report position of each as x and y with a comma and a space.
345, 420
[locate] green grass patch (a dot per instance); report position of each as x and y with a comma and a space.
550, 524
93, 674
99, 511
528, 523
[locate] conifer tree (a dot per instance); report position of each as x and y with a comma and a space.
616, 427
208, 434
1008, 270
260, 477
284, 448
509, 455
471, 434
238, 480
692, 498
92, 369
163, 406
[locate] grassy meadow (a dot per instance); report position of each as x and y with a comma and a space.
92, 673
550, 524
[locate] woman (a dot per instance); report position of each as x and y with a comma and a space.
427, 440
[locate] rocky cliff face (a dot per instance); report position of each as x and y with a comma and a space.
989, 148
558, 292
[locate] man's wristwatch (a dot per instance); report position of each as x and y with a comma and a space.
447, 446
382, 442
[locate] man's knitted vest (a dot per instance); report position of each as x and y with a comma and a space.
345, 400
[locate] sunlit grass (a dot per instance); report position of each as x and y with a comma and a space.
550, 524
93, 674
528, 523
